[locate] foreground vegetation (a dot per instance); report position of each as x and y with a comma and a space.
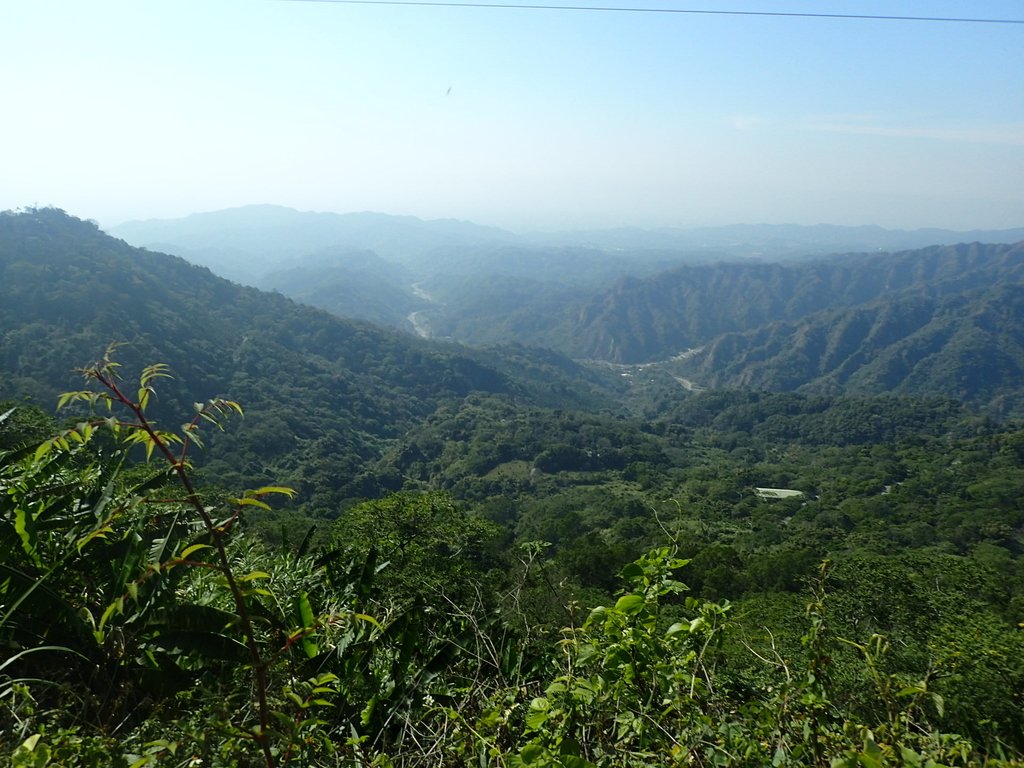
148, 621
483, 557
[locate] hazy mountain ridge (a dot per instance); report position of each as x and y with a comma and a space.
356, 284
268, 233
968, 346
323, 395
273, 247
654, 318
776, 241
923, 321
243, 243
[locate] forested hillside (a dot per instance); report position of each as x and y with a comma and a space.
942, 320
353, 284
411, 553
658, 317
624, 296
969, 346
320, 391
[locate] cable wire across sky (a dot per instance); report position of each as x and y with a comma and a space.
688, 11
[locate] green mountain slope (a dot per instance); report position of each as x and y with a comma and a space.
434, 637
355, 284
968, 346
323, 395
624, 296
660, 316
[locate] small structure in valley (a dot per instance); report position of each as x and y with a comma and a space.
777, 493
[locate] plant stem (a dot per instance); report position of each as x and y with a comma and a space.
216, 534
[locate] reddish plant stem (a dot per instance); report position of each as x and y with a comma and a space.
216, 534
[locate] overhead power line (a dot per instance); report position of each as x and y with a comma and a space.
690, 11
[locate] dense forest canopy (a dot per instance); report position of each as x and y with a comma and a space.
413, 552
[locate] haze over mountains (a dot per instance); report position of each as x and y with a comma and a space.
762, 306
322, 391
941, 320
880, 392
336, 403
243, 243
286, 488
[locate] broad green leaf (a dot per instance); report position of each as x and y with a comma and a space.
368, 619
306, 620
250, 503
367, 714
631, 571
115, 607
44, 448
304, 611
193, 549
25, 526
268, 489
98, 533
531, 754
630, 604
538, 714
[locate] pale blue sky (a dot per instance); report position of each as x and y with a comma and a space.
554, 119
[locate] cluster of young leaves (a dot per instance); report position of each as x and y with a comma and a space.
645, 682
648, 680
136, 612
145, 624
629, 677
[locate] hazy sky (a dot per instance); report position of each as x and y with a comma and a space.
517, 118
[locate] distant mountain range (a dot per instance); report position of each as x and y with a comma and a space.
624, 295
968, 346
639, 320
943, 320
245, 243
242, 241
